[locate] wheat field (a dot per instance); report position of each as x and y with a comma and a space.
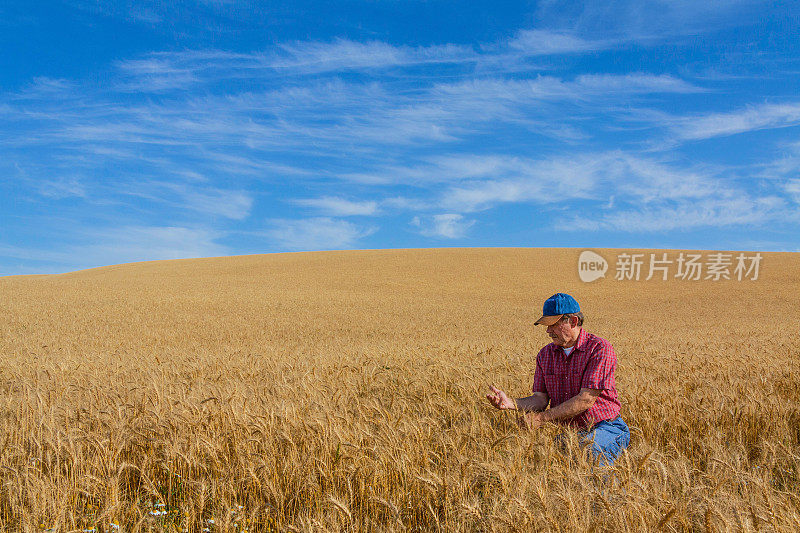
345, 391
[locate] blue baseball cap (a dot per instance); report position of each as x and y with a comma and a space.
557, 306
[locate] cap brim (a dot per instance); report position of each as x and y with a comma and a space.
548, 320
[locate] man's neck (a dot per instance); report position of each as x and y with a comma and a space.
574, 341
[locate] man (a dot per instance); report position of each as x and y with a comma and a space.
575, 376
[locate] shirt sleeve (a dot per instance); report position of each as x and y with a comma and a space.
602, 363
538, 376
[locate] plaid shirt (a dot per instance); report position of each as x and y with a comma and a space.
590, 365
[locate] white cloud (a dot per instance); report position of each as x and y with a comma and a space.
634, 83
486, 182
181, 68
410, 204
35, 254
448, 225
344, 54
765, 116
785, 166
146, 243
548, 42
496, 91
238, 132
335, 206
322, 233
793, 189
153, 75
646, 21
470, 166
43, 87
740, 210
235, 205
209, 201
648, 180
488, 193
125, 244
469, 170
162, 71
61, 188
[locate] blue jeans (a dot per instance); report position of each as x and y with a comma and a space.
607, 439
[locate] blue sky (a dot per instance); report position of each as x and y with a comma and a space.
159, 130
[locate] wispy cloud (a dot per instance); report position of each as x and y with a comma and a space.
635, 21
551, 88
199, 197
407, 204
343, 54
161, 71
321, 233
486, 182
230, 204
238, 133
335, 206
447, 225
632, 83
153, 75
144, 243
485, 194
722, 212
646, 180
765, 116
125, 244
793, 189
43, 86
62, 187
547, 42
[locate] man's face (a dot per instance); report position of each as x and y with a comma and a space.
562, 331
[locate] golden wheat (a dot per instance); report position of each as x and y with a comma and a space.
345, 391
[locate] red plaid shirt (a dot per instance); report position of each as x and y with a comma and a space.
590, 365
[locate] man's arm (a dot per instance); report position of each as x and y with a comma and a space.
498, 398
537, 402
572, 407
563, 411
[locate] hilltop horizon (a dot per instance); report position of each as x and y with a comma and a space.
430, 249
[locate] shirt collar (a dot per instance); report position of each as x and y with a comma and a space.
582, 339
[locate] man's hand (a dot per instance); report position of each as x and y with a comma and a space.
531, 420
499, 399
